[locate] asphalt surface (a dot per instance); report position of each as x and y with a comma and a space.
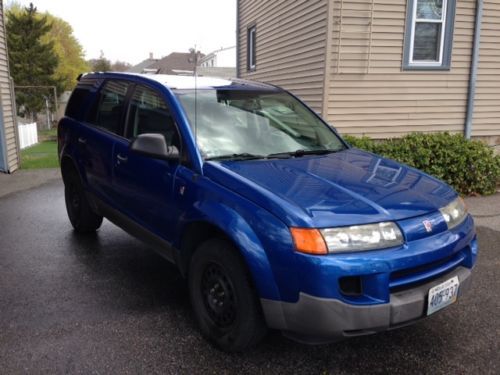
106, 304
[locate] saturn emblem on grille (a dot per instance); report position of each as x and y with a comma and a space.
427, 225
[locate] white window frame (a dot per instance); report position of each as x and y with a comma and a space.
445, 52
251, 47
442, 21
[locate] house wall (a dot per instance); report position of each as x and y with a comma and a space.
290, 45
368, 92
486, 120
9, 146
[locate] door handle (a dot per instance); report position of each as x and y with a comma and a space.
121, 158
82, 140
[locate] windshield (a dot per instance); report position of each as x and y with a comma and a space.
232, 123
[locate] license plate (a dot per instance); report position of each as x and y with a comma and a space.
442, 295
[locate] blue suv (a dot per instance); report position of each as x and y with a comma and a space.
273, 219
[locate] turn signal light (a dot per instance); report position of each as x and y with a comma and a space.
309, 241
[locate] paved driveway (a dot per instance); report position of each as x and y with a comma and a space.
106, 304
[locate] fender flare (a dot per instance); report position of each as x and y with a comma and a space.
232, 225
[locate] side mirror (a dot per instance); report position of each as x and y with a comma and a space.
155, 146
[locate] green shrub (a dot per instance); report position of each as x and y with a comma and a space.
469, 166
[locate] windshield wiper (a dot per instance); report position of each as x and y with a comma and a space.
278, 155
299, 153
242, 156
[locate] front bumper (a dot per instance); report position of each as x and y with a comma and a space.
318, 320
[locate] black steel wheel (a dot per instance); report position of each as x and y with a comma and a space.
223, 298
80, 214
218, 296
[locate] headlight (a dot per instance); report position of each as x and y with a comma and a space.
454, 213
362, 237
345, 239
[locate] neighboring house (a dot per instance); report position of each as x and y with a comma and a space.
175, 63
381, 68
143, 65
219, 72
220, 63
222, 58
9, 146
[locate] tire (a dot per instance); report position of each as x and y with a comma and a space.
223, 299
80, 214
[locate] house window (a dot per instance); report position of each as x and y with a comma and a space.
429, 34
251, 48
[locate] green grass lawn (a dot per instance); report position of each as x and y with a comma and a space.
47, 135
41, 155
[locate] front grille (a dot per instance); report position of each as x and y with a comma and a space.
414, 276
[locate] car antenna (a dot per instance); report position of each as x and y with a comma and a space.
194, 60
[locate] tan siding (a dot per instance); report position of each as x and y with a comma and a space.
486, 121
290, 45
374, 97
367, 93
6, 103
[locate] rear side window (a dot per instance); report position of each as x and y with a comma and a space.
80, 98
108, 108
149, 114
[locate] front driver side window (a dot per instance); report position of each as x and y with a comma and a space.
148, 113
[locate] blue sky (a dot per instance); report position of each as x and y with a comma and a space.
129, 30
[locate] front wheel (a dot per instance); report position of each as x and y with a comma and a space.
80, 214
223, 299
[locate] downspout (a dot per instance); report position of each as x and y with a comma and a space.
4, 163
238, 39
473, 70
328, 59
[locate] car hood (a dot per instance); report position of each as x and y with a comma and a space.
345, 188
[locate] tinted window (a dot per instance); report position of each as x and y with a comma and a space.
109, 106
80, 97
149, 114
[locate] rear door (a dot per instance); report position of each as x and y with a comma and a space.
97, 140
144, 185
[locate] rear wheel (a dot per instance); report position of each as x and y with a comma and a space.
223, 299
80, 214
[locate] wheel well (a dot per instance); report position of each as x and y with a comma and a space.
67, 168
194, 235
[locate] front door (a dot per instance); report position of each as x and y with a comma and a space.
144, 185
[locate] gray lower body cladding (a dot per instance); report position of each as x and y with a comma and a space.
319, 320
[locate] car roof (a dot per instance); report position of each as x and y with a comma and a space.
188, 82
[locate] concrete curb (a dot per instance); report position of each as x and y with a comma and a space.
26, 179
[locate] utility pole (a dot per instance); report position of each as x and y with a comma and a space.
194, 59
